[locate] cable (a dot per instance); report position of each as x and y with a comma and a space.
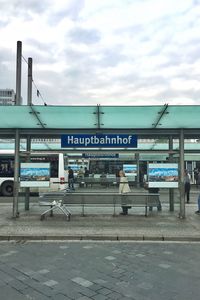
24, 59
38, 92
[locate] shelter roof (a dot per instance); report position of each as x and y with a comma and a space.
104, 117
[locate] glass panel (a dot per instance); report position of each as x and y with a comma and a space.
6, 166
68, 116
129, 116
110, 117
186, 116
17, 117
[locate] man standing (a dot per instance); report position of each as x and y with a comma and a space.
86, 175
196, 176
70, 179
187, 185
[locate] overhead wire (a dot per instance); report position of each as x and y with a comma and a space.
37, 90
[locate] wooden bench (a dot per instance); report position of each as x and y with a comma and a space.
54, 201
111, 199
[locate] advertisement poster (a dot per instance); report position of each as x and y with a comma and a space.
130, 171
35, 174
163, 175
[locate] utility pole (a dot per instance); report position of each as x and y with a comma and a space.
171, 191
28, 140
30, 79
18, 73
17, 132
181, 175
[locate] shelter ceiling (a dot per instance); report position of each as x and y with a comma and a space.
101, 117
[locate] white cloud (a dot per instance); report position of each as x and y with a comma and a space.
104, 51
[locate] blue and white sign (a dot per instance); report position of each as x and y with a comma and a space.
163, 175
34, 174
98, 141
130, 169
101, 155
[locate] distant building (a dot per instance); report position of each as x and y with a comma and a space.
7, 97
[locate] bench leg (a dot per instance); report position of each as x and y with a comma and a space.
145, 211
83, 211
114, 211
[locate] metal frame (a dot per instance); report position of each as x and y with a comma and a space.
154, 132
182, 135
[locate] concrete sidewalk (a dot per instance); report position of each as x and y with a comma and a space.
99, 224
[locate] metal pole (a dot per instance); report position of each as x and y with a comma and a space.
181, 175
17, 138
29, 93
27, 189
16, 175
18, 73
28, 141
171, 191
137, 156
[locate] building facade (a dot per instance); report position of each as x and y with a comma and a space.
7, 97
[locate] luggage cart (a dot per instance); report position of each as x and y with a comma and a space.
55, 202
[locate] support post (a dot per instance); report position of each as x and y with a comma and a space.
137, 156
27, 189
181, 175
17, 136
28, 141
30, 76
171, 190
16, 175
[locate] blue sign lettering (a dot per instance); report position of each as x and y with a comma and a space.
98, 141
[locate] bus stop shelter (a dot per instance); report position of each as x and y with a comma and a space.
146, 122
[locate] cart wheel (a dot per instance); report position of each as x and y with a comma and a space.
42, 217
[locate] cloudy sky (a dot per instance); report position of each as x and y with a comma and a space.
108, 52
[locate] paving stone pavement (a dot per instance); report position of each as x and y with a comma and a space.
135, 258
84, 270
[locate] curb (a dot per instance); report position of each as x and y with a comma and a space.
98, 238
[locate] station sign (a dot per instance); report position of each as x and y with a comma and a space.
98, 141
100, 155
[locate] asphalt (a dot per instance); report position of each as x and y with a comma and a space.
99, 223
